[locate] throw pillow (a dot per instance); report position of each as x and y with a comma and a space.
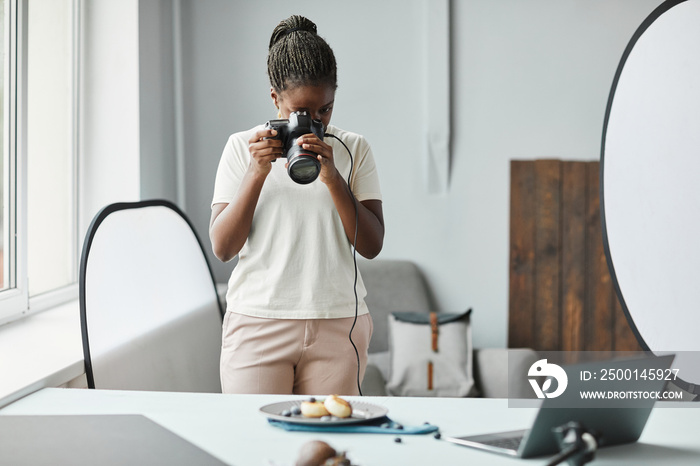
431, 354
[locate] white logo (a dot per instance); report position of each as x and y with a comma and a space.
542, 369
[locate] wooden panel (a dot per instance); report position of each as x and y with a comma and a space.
561, 293
625, 340
600, 324
574, 208
522, 255
547, 252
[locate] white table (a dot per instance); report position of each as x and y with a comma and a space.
231, 428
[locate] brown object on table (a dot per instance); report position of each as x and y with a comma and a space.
339, 460
314, 453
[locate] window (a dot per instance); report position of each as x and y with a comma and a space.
51, 117
4, 46
39, 181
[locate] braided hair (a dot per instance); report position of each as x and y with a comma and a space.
298, 56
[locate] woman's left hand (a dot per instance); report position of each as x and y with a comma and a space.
312, 143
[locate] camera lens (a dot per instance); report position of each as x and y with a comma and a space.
304, 169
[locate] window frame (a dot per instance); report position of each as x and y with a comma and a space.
15, 302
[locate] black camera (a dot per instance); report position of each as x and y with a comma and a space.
302, 165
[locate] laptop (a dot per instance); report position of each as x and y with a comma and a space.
615, 421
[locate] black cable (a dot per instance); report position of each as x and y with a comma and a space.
578, 445
564, 455
354, 259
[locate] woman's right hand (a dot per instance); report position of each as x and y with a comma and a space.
263, 151
230, 223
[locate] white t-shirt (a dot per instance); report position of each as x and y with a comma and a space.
297, 261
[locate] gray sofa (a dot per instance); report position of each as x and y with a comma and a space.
395, 285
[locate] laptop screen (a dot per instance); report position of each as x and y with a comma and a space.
606, 397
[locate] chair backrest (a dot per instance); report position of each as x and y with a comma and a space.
149, 310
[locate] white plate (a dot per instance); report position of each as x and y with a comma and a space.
361, 412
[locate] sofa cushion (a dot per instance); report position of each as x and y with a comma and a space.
430, 354
373, 384
392, 285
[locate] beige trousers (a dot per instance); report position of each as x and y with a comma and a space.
290, 356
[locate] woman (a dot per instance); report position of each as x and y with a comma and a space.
291, 300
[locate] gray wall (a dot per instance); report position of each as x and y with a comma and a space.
530, 79
157, 100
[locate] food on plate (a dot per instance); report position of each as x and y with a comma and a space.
313, 409
333, 405
337, 406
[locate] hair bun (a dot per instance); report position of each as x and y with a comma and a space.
292, 24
